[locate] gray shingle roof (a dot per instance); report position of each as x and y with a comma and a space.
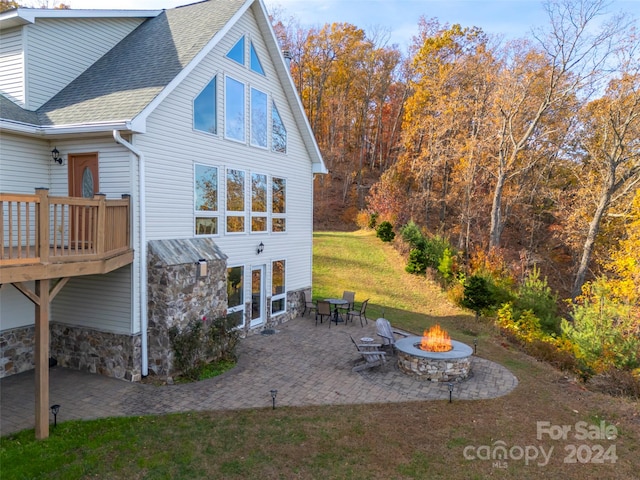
11, 111
126, 79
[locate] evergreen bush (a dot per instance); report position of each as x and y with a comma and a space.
385, 232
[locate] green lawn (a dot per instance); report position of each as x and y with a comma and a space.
416, 440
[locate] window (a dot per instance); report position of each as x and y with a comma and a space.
206, 200
204, 109
235, 201
278, 205
278, 290
256, 66
235, 295
278, 132
237, 51
234, 125
258, 202
258, 118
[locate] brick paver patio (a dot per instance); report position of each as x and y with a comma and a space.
308, 365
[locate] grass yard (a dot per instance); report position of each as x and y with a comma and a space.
416, 440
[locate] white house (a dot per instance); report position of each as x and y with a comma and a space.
179, 166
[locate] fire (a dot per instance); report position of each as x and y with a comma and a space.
436, 340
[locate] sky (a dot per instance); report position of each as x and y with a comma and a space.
511, 18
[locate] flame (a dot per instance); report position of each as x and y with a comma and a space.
436, 340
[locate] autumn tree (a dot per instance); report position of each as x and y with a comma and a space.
610, 138
536, 83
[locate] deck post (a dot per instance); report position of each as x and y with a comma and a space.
102, 222
42, 359
43, 224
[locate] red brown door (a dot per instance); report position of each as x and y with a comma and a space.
83, 182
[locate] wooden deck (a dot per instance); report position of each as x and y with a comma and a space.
53, 237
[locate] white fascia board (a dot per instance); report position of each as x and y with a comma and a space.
25, 128
140, 120
29, 15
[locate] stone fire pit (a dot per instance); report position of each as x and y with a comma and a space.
451, 366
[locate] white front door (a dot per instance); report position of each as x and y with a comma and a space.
257, 295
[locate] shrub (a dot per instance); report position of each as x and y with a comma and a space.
477, 294
385, 232
434, 249
416, 263
373, 220
446, 265
535, 295
603, 330
200, 343
411, 234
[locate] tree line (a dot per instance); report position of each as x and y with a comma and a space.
530, 147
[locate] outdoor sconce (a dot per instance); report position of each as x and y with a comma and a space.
260, 248
475, 346
55, 409
55, 156
273, 398
450, 385
201, 268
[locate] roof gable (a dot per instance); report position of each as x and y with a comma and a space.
123, 87
125, 80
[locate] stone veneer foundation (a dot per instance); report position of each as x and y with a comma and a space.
16, 350
93, 351
75, 347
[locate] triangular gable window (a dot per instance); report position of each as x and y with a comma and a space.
237, 52
256, 66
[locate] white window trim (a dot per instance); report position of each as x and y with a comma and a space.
273, 215
247, 201
267, 117
244, 110
283, 295
206, 213
264, 214
193, 109
242, 306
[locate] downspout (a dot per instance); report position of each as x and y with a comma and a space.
142, 258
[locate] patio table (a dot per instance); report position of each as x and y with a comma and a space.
336, 302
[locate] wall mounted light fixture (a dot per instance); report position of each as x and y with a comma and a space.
201, 268
55, 156
260, 248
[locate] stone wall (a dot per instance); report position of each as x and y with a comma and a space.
93, 351
177, 294
16, 350
109, 354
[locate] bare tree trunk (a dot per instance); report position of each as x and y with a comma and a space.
587, 250
497, 220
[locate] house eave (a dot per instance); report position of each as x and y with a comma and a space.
55, 130
24, 16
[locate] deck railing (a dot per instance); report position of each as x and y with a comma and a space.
39, 228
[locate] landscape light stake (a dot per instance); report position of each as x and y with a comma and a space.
475, 346
450, 385
55, 409
273, 398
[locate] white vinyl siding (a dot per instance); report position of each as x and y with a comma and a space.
172, 148
24, 164
101, 302
16, 310
75, 43
12, 65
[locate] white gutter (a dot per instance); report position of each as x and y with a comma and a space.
142, 257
